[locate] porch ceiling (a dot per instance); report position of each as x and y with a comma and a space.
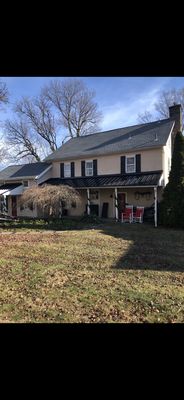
141, 179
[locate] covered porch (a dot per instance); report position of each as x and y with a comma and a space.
111, 202
106, 196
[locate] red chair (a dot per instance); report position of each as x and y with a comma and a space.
127, 215
138, 215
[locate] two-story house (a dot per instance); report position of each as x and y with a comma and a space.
110, 169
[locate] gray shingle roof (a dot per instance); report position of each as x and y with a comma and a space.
120, 140
25, 170
141, 179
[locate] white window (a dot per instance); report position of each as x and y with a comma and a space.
130, 164
67, 170
89, 168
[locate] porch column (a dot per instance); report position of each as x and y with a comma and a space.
155, 198
116, 203
88, 205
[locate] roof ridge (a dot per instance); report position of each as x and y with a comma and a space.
116, 129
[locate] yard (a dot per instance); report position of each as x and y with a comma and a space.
104, 273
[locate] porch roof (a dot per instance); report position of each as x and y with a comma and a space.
142, 179
11, 188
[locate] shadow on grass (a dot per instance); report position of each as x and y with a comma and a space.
149, 248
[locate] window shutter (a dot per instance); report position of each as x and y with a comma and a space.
95, 172
62, 170
122, 165
72, 169
138, 162
82, 168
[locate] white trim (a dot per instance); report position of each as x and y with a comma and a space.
88, 161
66, 164
118, 187
43, 172
126, 158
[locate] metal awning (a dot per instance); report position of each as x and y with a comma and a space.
143, 179
11, 189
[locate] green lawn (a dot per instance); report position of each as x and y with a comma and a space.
111, 273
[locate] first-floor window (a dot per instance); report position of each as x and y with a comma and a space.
67, 170
25, 183
89, 168
130, 164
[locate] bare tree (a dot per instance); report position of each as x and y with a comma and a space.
3, 93
165, 100
35, 130
75, 105
145, 117
37, 113
49, 197
18, 137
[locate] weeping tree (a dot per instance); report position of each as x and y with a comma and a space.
49, 198
172, 205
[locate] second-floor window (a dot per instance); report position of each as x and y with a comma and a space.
89, 168
67, 170
130, 164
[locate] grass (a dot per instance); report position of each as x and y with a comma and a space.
104, 273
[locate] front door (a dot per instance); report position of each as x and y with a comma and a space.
14, 206
121, 204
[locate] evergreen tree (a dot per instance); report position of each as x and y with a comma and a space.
172, 206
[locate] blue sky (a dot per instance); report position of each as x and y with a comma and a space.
120, 99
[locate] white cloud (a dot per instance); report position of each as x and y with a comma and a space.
122, 114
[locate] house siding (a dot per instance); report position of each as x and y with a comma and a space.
166, 160
151, 160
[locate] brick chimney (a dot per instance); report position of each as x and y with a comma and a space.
175, 113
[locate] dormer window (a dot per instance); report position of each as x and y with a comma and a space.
130, 164
67, 170
89, 168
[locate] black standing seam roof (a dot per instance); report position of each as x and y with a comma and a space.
142, 179
10, 186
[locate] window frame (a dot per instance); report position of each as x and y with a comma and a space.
25, 186
126, 165
66, 165
87, 168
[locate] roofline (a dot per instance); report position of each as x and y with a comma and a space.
47, 159
18, 178
113, 187
116, 129
43, 172
103, 155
